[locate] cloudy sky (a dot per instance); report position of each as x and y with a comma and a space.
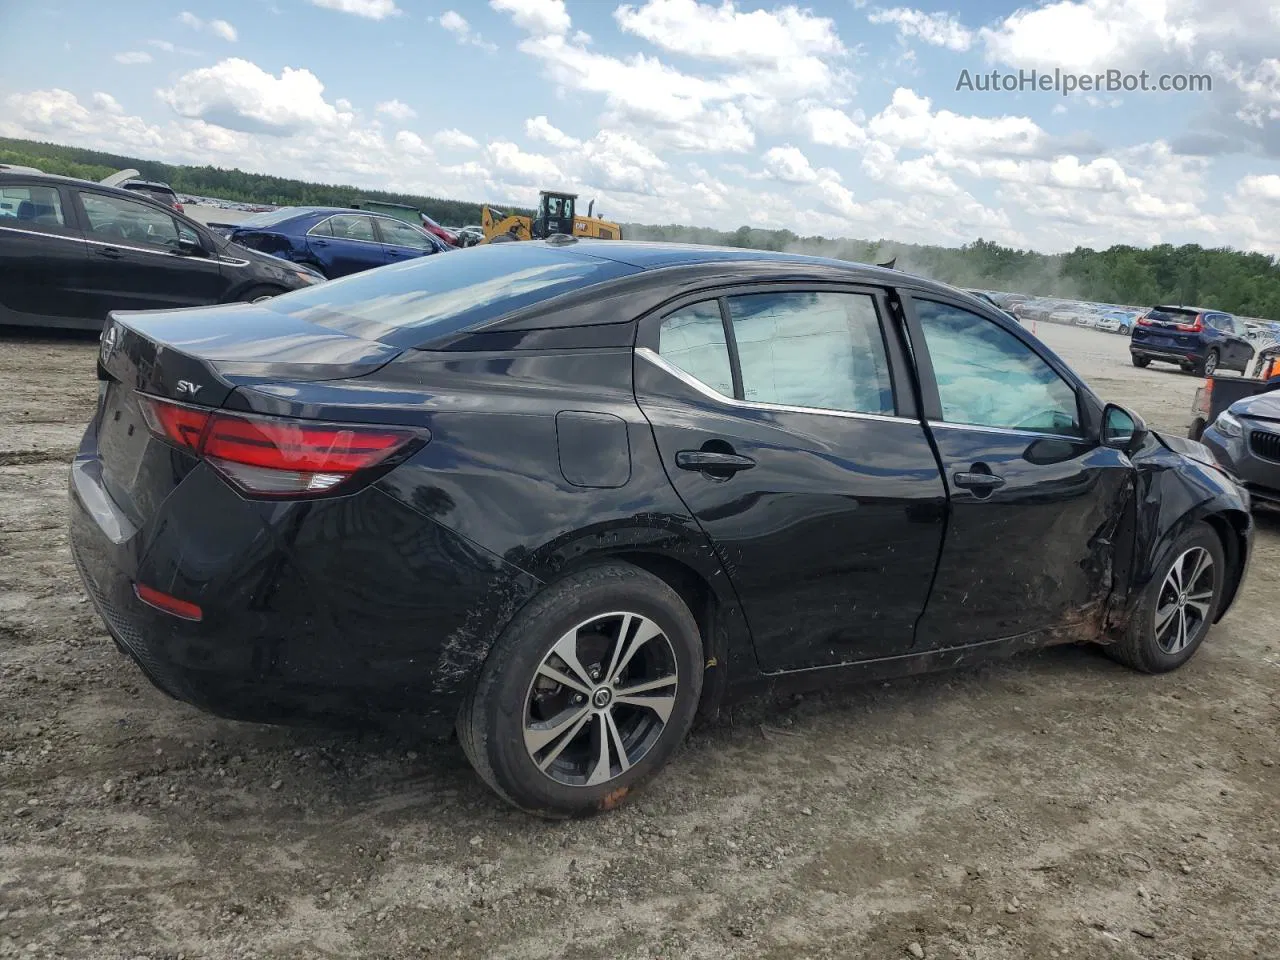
839, 117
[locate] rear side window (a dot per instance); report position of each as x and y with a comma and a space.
33, 206
352, 228
988, 377
693, 339
819, 350
402, 235
406, 304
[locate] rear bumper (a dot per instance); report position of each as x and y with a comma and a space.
1171, 354
354, 609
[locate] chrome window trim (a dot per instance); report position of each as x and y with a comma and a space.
155, 251
666, 366
348, 239
1004, 431
43, 233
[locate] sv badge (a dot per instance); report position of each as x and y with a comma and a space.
187, 388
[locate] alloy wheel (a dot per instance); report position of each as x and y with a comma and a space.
600, 699
1210, 364
1185, 601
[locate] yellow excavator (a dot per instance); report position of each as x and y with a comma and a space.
555, 214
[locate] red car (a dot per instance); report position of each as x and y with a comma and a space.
434, 228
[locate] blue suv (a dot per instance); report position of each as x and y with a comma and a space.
1199, 341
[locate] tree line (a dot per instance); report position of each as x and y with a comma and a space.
1247, 284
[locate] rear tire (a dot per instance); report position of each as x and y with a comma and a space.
1169, 624
1209, 366
509, 726
1139, 361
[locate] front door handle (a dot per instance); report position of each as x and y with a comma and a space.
978, 481
111, 253
713, 461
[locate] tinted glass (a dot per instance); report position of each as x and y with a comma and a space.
321, 229
821, 350
352, 227
988, 377
33, 206
403, 235
693, 339
406, 303
118, 220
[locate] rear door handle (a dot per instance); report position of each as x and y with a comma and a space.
713, 461
111, 253
978, 481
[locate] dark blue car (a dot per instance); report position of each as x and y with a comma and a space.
1199, 341
334, 240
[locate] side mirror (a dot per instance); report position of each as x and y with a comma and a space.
191, 248
1122, 429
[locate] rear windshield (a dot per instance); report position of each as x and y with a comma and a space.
407, 304
1171, 314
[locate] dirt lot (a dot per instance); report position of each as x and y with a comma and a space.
1054, 806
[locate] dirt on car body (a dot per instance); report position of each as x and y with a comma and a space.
1056, 805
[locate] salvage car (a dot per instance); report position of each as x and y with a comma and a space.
73, 250
1199, 341
563, 496
335, 241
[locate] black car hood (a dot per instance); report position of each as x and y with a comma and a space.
1265, 406
1191, 449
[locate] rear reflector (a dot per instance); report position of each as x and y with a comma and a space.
277, 456
163, 601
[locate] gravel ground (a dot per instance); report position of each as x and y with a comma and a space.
1054, 806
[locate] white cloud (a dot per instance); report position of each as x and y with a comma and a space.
132, 57
936, 29
240, 95
527, 168
395, 110
164, 45
616, 161
454, 139
909, 121
224, 30
219, 28
539, 17
728, 35
829, 127
369, 9
1264, 187
789, 165
412, 143
540, 128
456, 24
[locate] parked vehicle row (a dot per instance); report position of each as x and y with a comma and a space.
73, 250
563, 495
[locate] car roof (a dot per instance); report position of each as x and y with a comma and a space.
656, 254
53, 179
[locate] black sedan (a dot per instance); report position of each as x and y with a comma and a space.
71, 251
564, 496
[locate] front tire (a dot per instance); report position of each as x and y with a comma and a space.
1178, 605
587, 693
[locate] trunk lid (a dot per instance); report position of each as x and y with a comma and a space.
199, 357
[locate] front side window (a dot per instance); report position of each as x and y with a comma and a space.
402, 235
988, 377
693, 339
118, 220
351, 227
33, 206
820, 350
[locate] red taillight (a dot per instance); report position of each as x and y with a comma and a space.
1191, 327
169, 604
177, 206
276, 456
1144, 321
